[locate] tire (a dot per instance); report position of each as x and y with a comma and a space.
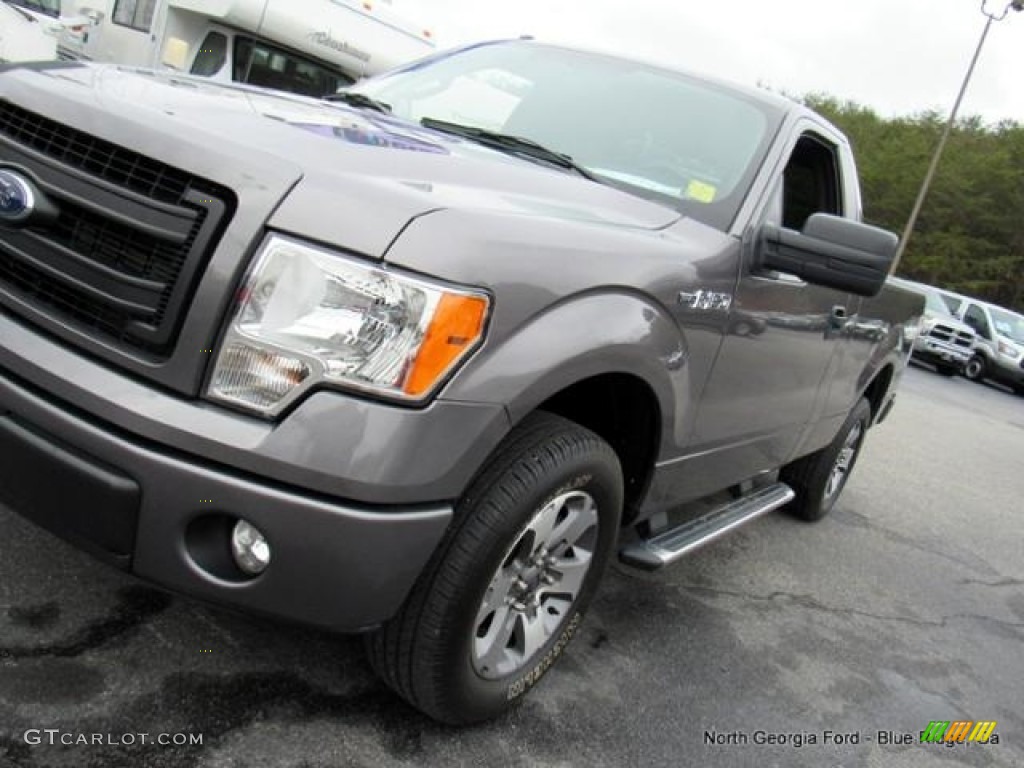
946, 370
975, 368
819, 478
470, 639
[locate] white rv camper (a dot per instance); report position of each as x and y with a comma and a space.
23, 37
311, 47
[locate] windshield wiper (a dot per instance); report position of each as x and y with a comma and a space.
360, 100
515, 144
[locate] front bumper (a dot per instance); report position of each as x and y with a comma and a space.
352, 495
166, 518
935, 351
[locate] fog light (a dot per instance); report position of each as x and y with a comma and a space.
249, 548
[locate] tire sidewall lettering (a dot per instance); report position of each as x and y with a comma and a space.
528, 680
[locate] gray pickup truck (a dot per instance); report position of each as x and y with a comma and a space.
418, 361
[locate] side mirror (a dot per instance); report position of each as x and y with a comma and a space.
832, 251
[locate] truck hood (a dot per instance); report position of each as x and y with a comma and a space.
360, 170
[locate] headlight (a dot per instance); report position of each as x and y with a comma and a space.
1009, 350
307, 315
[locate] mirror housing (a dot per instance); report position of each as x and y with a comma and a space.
831, 251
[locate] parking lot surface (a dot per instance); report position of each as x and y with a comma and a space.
834, 641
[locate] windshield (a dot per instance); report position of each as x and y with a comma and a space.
1008, 324
653, 132
933, 303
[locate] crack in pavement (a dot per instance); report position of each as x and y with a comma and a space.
811, 603
853, 519
1006, 581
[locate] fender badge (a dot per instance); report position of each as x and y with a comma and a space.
706, 300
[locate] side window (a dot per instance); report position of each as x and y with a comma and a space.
137, 14
212, 55
810, 182
975, 318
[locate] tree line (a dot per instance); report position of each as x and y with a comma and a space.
970, 235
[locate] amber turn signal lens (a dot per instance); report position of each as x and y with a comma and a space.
457, 325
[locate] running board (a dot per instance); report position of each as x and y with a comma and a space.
665, 548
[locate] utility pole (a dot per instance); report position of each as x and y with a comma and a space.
1016, 5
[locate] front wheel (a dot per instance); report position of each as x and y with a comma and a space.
975, 368
819, 478
507, 588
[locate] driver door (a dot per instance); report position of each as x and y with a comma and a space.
782, 343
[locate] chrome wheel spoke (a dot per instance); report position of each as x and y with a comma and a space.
491, 650
570, 575
497, 594
843, 461
543, 525
532, 633
581, 517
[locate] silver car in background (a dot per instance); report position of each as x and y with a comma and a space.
944, 341
999, 346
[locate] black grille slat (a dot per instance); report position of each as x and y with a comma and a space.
107, 270
951, 335
87, 313
95, 156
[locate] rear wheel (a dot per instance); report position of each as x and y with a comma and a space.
819, 479
975, 368
507, 588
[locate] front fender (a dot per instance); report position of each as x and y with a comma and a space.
573, 341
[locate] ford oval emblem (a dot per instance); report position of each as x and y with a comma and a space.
17, 200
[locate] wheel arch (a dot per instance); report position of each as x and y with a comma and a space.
880, 391
624, 411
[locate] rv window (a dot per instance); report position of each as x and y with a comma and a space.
213, 53
257, 63
49, 7
137, 14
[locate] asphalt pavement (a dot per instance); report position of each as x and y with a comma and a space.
785, 644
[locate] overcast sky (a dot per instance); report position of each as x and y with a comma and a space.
896, 56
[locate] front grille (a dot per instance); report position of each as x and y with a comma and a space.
122, 259
952, 336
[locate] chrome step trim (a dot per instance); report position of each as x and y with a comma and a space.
668, 547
